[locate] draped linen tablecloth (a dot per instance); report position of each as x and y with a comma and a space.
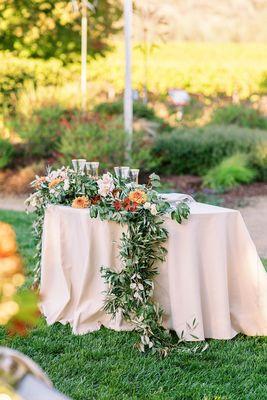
212, 273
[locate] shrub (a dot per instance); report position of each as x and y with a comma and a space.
6, 153
142, 157
17, 72
258, 160
239, 115
89, 141
229, 173
140, 110
42, 131
196, 150
105, 143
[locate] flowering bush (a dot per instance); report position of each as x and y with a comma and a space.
141, 208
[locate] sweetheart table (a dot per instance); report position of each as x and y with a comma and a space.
212, 273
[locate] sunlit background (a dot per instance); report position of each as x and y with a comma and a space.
213, 53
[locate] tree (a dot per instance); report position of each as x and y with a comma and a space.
49, 28
152, 28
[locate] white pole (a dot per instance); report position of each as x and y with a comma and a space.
84, 56
128, 101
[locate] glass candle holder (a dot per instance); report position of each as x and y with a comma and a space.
75, 165
81, 164
122, 172
134, 175
125, 172
88, 168
117, 172
94, 169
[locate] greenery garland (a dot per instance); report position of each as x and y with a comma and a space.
130, 291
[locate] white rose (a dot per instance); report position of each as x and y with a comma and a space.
66, 185
153, 209
147, 206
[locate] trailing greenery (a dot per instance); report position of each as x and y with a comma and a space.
239, 115
113, 369
196, 150
6, 153
229, 173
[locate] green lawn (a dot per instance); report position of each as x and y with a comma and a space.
103, 365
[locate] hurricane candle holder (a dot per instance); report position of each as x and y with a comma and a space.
94, 169
75, 165
134, 175
81, 164
117, 172
122, 172
88, 168
78, 164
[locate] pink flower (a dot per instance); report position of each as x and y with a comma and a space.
105, 185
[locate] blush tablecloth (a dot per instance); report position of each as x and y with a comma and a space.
212, 273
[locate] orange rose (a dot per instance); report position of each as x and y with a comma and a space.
138, 196
81, 202
54, 182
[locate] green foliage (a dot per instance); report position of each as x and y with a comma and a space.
258, 160
89, 140
239, 115
140, 110
21, 73
51, 29
238, 362
142, 156
42, 131
6, 153
229, 173
196, 150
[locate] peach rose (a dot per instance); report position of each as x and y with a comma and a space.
54, 182
81, 202
138, 196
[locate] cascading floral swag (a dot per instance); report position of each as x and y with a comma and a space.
139, 207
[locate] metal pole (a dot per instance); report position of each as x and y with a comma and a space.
84, 57
128, 100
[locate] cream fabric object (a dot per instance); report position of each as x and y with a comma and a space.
212, 273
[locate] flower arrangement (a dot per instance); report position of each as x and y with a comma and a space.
142, 209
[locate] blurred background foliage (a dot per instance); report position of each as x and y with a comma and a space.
40, 117
51, 29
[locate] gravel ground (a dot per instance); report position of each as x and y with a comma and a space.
254, 214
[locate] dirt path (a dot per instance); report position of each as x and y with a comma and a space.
255, 216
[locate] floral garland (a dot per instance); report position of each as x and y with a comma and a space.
141, 208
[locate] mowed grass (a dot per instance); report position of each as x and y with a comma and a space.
104, 365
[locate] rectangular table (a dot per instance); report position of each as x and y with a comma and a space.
212, 273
